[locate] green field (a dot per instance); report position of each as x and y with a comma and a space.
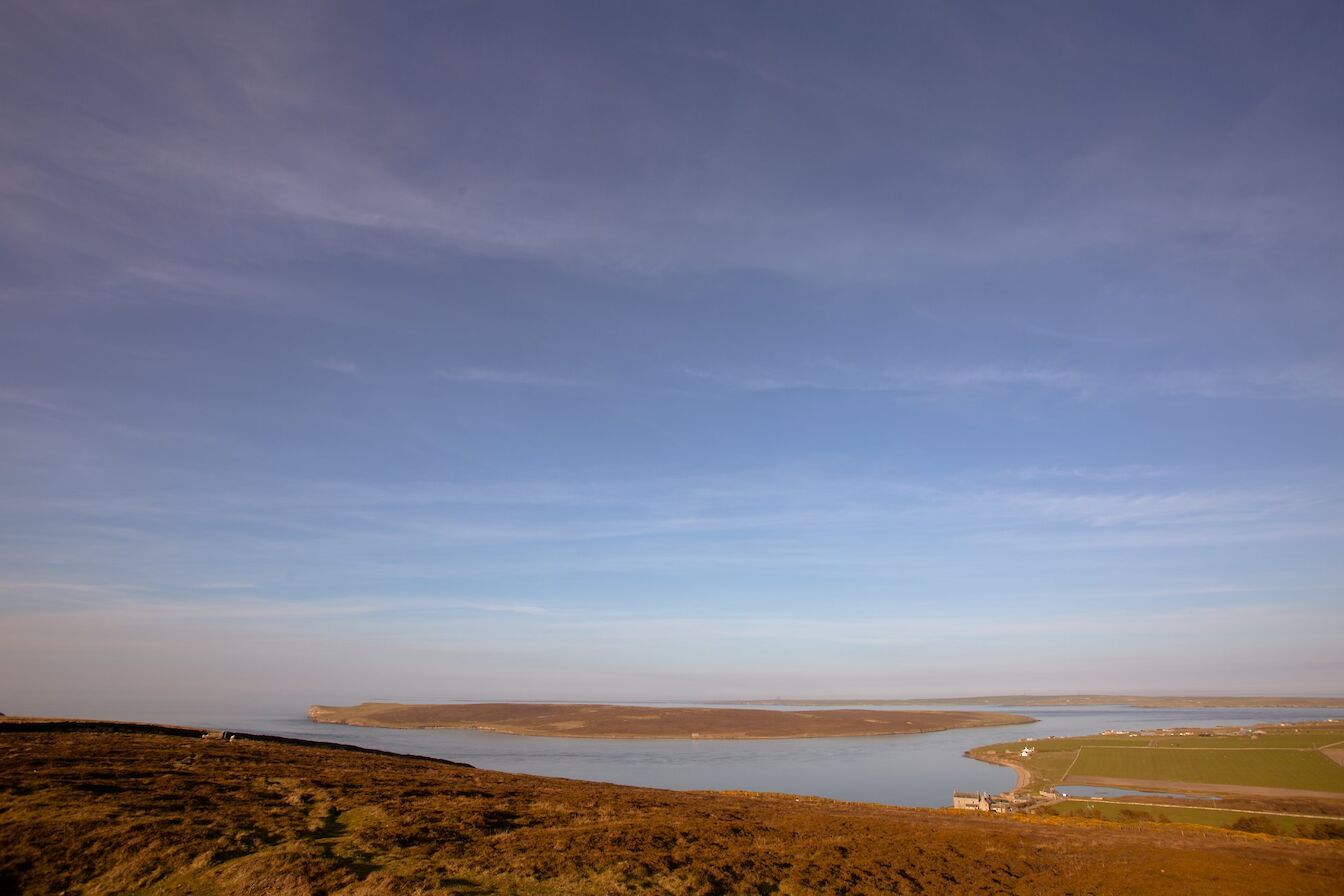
1295, 769
1303, 740
1286, 757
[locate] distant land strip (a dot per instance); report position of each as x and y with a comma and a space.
1142, 702
23, 724
595, 720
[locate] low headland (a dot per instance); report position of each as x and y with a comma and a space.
652, 722
1138, 701
166, 812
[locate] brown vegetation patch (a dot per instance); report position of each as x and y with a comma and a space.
1332, 807
175, 815
606, 721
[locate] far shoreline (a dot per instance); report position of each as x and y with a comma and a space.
487, 730
617, 722
1151, 701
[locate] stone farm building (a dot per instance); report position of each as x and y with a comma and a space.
982, 802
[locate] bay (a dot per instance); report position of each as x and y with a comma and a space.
907, 770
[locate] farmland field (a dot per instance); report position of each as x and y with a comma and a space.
1294, 769
1297, 757
1311, 740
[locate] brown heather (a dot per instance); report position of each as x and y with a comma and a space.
103, 812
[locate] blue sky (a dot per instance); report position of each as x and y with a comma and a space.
645, 351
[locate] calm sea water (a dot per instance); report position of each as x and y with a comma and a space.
907, 770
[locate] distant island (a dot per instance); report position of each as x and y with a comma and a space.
1142, 702
649, 722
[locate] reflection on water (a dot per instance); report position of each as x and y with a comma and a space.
908, 770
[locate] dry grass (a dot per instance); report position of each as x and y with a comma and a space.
104, 812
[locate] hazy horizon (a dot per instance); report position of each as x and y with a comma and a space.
184, 709
668, 351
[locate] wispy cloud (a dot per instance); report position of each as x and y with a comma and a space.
1123, 473
292, 344
1318, 381
1148, 508
334, 365
141, 602
485, 376
1324, 380
909, 382
920, 632
231, 141
766, 528
32, 399
40, 586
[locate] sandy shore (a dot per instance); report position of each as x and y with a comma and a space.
1023, 776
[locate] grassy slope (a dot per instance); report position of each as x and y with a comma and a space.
102, 813
608, 721
1288, 825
